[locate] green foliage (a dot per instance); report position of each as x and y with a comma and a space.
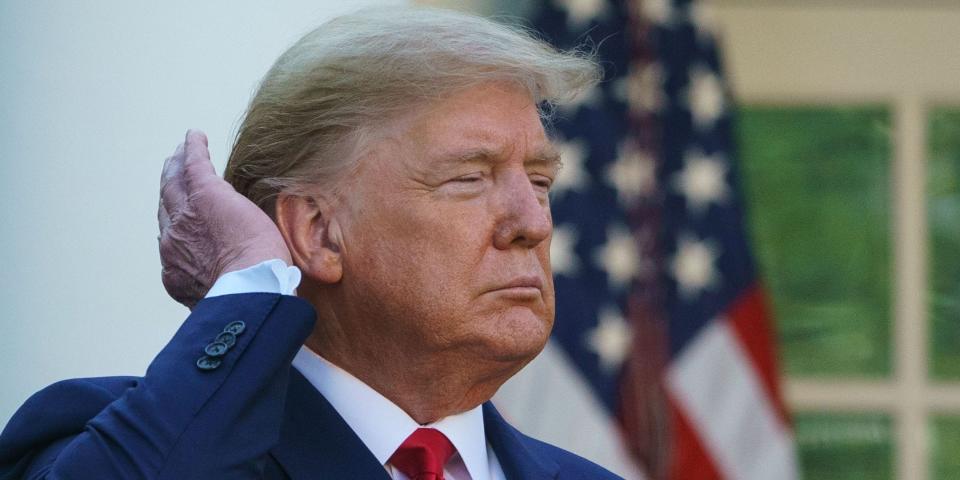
845, 446
946, 446
817, 182
943, 217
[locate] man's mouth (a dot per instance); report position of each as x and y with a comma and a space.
526, 286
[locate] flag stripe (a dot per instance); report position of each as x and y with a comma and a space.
714, 383
578, 423
751, 324
689, 459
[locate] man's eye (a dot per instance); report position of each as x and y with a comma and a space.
468, 178
540, 181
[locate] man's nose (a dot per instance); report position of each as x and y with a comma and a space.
524, 214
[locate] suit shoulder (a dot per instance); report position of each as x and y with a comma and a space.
536, 454
81, 394
59, 410
572, 466
113, 386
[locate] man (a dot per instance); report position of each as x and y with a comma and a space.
400, 167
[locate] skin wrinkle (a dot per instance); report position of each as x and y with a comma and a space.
420, 312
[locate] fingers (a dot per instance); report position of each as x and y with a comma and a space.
192, 197
173, 194
188, 167
163, 218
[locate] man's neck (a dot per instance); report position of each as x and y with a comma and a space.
426, 391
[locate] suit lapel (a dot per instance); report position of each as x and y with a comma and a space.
315, 442
513, 449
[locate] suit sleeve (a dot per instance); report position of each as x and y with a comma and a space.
195, 414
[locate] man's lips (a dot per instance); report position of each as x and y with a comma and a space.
527, 284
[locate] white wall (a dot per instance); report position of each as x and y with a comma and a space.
811, 51
93, 96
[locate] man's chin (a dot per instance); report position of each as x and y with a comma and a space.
518, 336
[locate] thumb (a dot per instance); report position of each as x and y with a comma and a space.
197, 164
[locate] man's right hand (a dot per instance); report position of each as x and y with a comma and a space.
206, 227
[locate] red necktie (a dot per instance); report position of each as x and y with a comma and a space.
423, 455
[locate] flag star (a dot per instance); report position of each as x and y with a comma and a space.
705, 96
702, 181
704, 18
694, 266
657, 11
580, 12
619, 257
611, 339
633, 174
563, 258
572, 176
642, 89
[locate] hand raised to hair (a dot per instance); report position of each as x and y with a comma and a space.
206, 227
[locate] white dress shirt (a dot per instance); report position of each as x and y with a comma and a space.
379, 423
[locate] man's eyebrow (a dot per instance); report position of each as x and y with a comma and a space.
547, 155
470, 155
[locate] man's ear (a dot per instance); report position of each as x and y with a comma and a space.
311, 235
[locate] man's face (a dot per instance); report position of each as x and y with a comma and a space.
447, 235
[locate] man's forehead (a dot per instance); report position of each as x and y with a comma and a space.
477, 142
491, 121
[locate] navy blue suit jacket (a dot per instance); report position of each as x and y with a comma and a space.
251, 417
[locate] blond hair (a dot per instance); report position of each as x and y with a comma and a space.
323, 98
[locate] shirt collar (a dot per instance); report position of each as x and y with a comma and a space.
381, 425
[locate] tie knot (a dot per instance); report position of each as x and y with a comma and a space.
423, 454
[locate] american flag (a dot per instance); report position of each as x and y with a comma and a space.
662, 361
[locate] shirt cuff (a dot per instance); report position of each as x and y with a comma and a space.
271, 276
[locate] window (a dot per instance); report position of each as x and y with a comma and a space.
884, 76
816, 180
